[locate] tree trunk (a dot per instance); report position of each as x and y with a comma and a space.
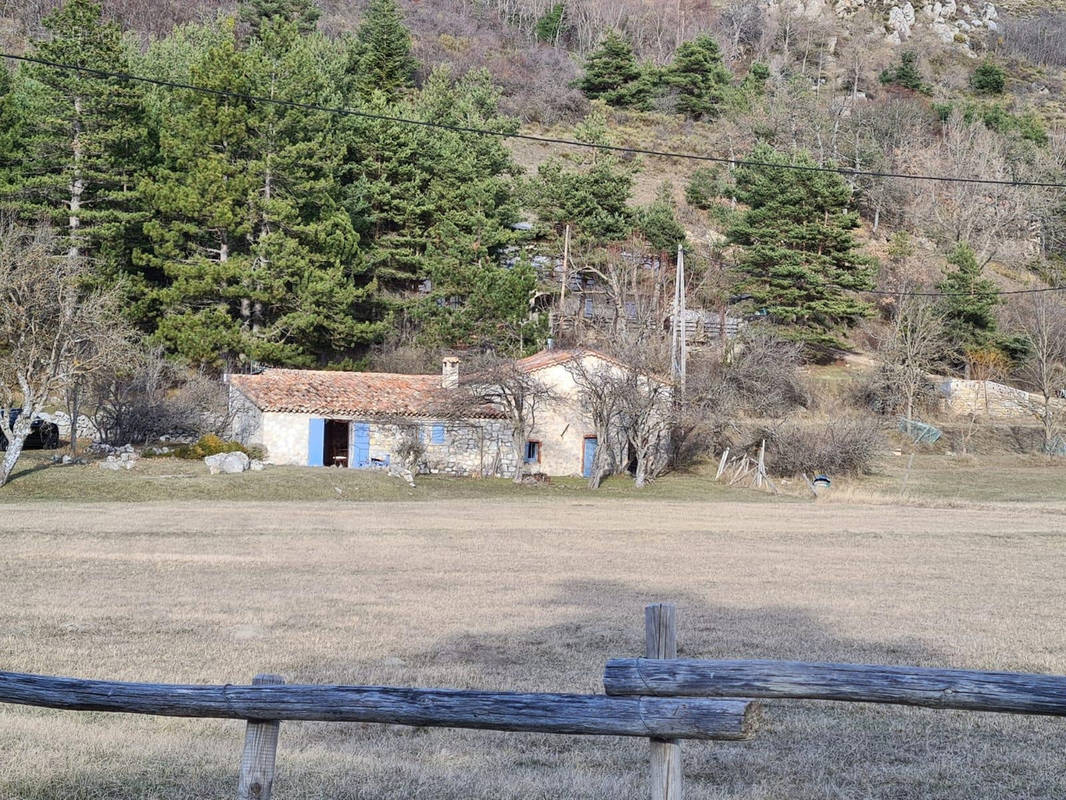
20, 430
77, 186
640, 478
518, 442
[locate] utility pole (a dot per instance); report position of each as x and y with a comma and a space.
679, 335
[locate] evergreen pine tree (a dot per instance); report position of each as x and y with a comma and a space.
86, 139
256, 13
436, 211
658, 222
613, 75
699, 76
474, 297
969, 303
593, 200
380, 57
797, 255
550, 26
906, 74
11, 132
259, 256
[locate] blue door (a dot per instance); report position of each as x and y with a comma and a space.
316, 442
589, 456
360, 444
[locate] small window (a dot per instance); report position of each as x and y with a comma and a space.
532, 452
437, 437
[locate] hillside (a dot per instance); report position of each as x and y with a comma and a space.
945, 89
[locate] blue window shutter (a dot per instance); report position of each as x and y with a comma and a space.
438, 434
316, 442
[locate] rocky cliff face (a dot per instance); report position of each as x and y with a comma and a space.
950, 22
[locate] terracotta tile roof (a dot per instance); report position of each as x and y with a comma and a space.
344, 394
551, 358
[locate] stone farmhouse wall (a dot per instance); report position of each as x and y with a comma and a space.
470, 447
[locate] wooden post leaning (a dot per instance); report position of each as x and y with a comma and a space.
660, 632
260, 751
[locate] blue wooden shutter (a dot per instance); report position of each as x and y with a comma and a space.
438, 434
316, 442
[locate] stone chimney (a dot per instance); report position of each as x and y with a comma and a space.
449, 376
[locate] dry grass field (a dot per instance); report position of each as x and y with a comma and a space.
525, 592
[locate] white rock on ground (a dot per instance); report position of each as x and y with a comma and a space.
228, 463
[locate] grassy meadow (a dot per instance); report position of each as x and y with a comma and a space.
495, 587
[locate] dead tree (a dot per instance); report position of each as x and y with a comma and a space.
52, 332
1041, 320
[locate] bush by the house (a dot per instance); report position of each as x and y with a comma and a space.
211, 445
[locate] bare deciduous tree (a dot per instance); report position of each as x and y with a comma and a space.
503, 385
1041, 320
756, 377
52, 331
630, 405
911, 349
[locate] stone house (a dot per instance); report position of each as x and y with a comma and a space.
367, 420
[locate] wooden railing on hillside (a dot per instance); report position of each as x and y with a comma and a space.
660, 697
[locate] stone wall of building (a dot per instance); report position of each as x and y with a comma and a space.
470, 447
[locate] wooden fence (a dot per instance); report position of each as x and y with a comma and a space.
659, 697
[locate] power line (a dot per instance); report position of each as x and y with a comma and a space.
524, 136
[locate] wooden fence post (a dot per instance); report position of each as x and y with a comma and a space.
260, 750
660, 632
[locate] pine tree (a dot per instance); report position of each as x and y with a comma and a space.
658, 222
256, 13
613, 75
969, 304
550, 26
797, 255
11, 133
593, 200
906, 74
259, 256
86, 140
436, 211
474, 297
380, 58
699, 76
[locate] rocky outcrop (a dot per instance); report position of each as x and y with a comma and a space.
952, 23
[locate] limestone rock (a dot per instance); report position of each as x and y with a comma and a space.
227, 463
255, 465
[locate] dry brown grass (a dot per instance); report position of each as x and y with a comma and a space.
533, 594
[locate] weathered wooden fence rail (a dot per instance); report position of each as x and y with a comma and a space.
1008, 692
595, 715
659, 697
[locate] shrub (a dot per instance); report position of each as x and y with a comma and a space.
880, 393
212, 445
906, 74
988, 78
845, 446
550, 26
705, 185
